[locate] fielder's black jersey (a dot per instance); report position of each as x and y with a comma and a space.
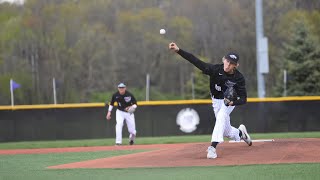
219, 78
124, 101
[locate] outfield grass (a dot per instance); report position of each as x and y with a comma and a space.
145, 140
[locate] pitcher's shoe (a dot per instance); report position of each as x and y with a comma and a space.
212, 154
245, 136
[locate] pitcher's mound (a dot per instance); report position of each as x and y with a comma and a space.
194, 154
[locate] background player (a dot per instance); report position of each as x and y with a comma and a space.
221, 77
126, 106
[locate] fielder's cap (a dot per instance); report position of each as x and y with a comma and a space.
121, 85
233, 57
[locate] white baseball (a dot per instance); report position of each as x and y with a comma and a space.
162, 31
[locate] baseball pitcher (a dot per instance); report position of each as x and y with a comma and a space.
127, 104
227, 88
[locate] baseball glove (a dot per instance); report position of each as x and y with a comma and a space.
230, 94
131, 109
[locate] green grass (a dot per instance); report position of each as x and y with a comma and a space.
32, 167
145, 140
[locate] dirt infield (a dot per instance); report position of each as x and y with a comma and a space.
84, 149
194, 154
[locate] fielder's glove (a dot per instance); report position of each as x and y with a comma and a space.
230, 94
131, 109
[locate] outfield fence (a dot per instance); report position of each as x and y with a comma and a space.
154, 118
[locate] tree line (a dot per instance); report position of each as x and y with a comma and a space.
91, 46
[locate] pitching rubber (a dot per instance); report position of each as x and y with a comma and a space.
256, 140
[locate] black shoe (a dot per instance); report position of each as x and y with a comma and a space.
118, 144
131, 142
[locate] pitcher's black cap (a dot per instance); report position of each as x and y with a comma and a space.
233, 57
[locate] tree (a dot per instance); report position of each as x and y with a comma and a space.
89, 46
302, 61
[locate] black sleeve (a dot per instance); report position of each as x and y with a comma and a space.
206, 68
113, 100
241, 91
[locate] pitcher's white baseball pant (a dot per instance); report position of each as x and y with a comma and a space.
130, 121
223, 127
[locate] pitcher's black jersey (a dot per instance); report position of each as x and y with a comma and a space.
219, 78
125, 100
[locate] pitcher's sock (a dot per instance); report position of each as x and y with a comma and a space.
214, 144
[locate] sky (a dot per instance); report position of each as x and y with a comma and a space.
13, 1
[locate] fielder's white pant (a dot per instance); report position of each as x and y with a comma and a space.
223, 127
130, 121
